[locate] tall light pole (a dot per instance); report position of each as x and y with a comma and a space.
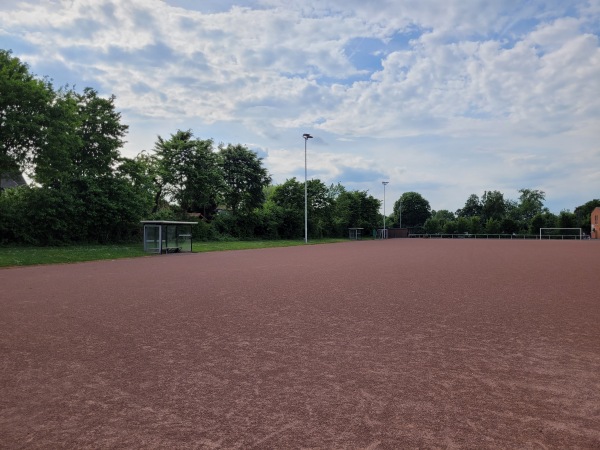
306, 137
384, 234
400, 213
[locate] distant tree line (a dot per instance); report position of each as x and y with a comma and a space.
490, 214
84, 190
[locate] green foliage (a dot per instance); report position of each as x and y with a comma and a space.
438, 224
509, 226
474, 225
100, 134
244, 177
83, 140
531, 203
567, 219
54, 162
415, 209
493, 206
269, 218
13, 226
472, 208
101, 210
444, 215
203, 232
39, 216
112, 210
493, 226
434, 226
287, 205
442, 221
355, 209
25, 103
542, 220
449, 227
86, 192
186, 171
329, 209
583, 214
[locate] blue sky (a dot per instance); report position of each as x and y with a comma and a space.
447, 98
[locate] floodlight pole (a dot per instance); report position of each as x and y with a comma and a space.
400, 214
383, 235
306, 137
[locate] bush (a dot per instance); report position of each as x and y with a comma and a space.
204, 231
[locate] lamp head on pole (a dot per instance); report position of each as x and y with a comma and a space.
306, 136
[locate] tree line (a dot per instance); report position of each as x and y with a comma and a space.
84, 190
491, 213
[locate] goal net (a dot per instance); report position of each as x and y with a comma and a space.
560, 233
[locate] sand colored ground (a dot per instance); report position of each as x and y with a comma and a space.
375, 345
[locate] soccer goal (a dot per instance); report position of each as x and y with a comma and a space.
557, 233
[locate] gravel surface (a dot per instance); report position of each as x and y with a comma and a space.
369, 344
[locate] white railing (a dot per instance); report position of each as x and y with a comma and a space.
548, 235
496, 236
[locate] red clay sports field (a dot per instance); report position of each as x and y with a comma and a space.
373, 345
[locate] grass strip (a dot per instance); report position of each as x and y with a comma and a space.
28, 256
217, 246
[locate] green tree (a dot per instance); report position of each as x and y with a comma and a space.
443, 214
462, 225
472, 207
474, 226
531, 202
100, 135
493, 226
433, 226
567, 219
289, 196
270, 222
54, 162
542, 220
25, 102
450, 227
355, 209
445, 219
138, 171
583, 213
187, 171
415, 209
509, 226
83, 141
320, 208
493, 205
244, 178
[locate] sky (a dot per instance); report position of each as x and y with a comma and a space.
445, 98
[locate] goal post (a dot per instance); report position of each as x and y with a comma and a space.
577, 235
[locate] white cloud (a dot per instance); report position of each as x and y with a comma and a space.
448, 80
